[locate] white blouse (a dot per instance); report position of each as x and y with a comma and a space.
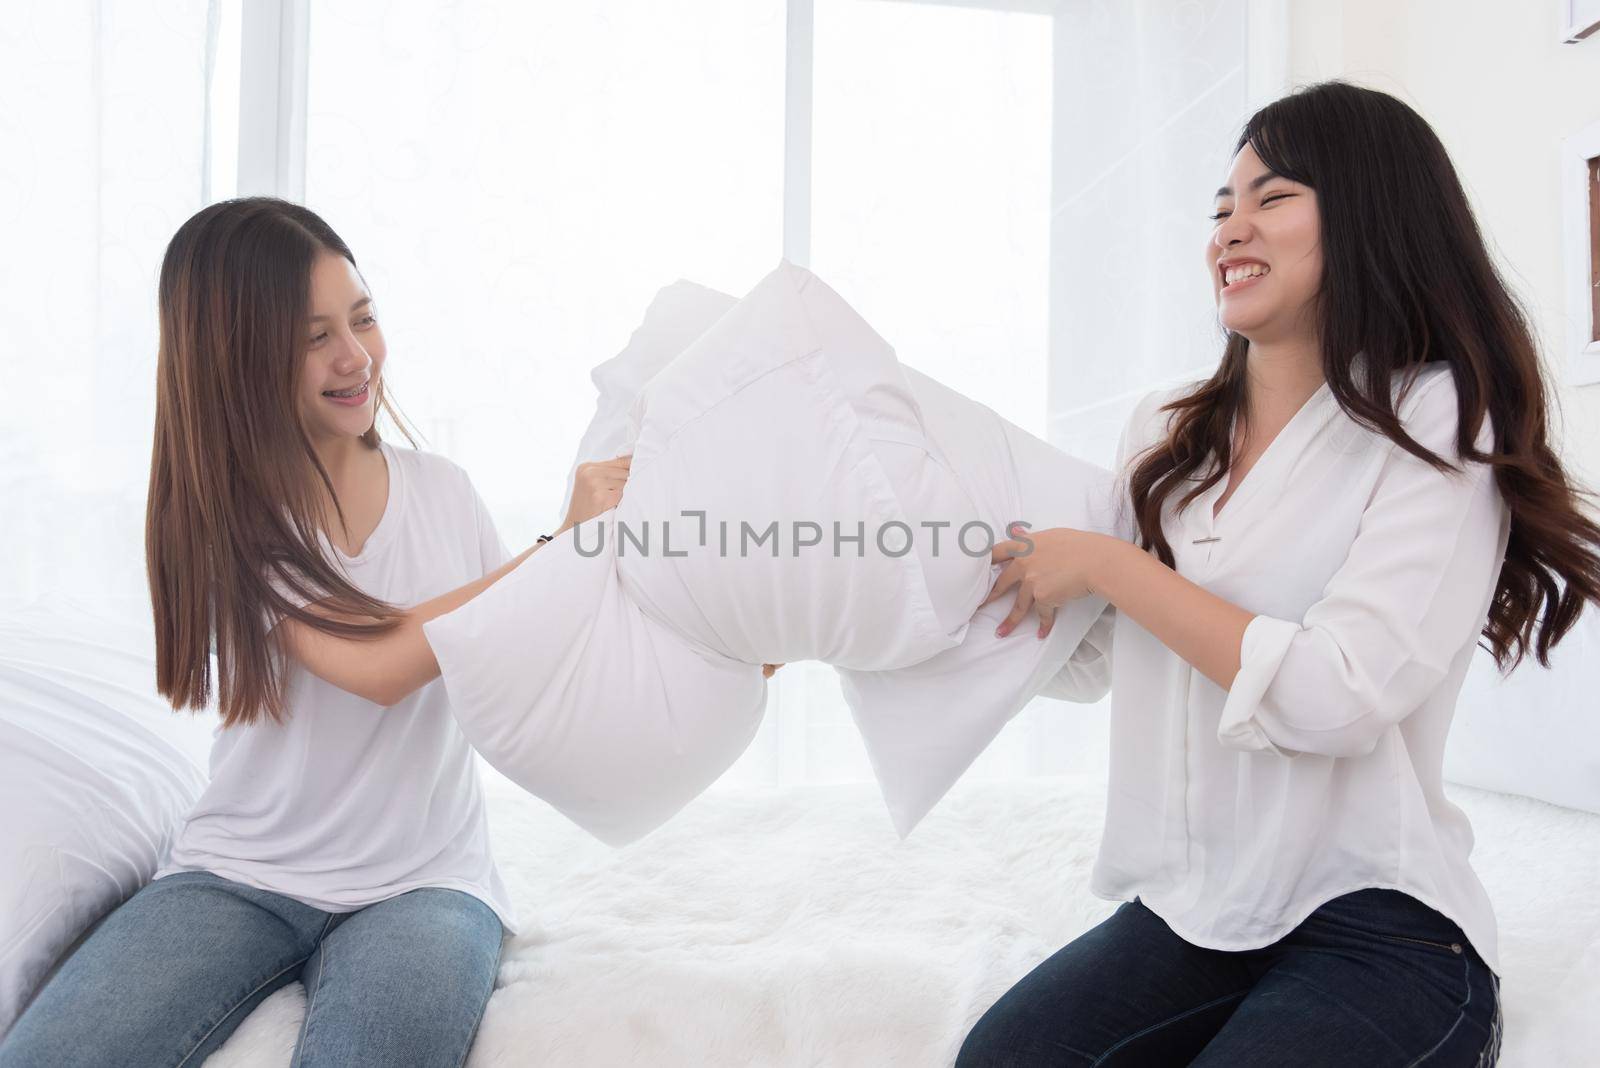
1233, 814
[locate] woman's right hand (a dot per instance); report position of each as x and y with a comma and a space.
596, 488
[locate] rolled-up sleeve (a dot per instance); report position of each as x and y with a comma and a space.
1412, 593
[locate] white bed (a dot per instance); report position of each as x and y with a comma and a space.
794, 928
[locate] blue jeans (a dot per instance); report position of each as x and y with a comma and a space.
1371, 978
167, 977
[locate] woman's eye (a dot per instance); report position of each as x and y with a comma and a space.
317, 339
366, 320
1264, 202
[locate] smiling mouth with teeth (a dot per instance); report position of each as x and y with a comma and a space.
1243, 271
346, 393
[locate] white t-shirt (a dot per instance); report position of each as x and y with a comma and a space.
348, 803
1233, 814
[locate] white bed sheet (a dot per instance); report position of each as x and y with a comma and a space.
794, 928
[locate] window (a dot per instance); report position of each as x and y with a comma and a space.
518, 180
1013, 192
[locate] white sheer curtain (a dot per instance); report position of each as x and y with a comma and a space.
517, 180
1154, 94
1012, 191
1015, 194
102, 149
931, 214
1150, 97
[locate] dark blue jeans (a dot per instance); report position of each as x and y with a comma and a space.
1371, 978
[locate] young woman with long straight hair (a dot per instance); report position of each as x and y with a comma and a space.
342, 839
1318, 536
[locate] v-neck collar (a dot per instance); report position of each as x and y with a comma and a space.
391, 512
1289, 442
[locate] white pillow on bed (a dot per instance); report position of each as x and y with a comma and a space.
1534, 732
617, 685
96, 772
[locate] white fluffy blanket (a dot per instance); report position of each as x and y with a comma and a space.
793, 928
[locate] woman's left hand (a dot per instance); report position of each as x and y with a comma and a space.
1061, 567
596, 488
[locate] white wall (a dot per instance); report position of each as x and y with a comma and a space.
1503, 93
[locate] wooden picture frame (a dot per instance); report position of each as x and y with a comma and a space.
1580, 198
1580, 19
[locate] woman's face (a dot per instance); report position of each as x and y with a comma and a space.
1265, 256
344, 352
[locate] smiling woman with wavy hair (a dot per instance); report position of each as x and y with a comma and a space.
1316, 537
1407, 281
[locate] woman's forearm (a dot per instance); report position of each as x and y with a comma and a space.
410, 659
388, 668
446, 603
1193, 622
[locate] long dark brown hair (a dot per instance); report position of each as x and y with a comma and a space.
233, 504
1406, 280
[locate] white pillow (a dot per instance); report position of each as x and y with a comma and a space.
677, 316
925, 724
1534, 732
618, 685
789, 416
91, 791
108, 651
